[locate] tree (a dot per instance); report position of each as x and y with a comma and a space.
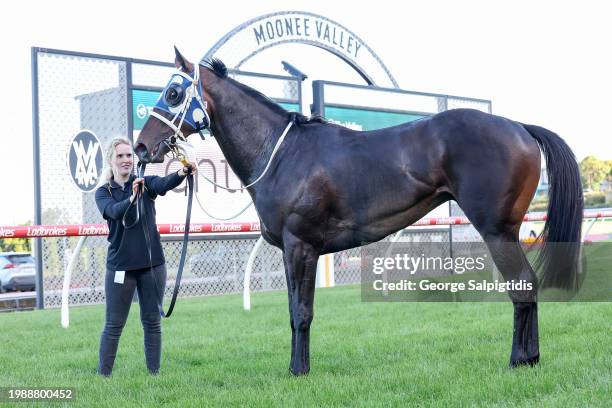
16, 244
593, 171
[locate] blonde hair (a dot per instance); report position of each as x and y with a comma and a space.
109, 154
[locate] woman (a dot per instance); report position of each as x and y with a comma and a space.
128, 264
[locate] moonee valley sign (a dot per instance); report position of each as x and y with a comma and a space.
327, 32
274, 29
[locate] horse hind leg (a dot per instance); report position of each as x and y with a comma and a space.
514, 266
499, 226
496, 211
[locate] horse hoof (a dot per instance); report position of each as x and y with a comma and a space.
525, 362
299, 371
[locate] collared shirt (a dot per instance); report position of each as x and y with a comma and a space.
128, 247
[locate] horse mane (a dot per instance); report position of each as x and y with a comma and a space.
299, 119
216, 65
219, 68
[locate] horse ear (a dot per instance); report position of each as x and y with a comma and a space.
181, 62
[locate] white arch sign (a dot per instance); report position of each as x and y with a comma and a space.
258, 34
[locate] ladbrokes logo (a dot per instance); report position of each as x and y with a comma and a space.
85, 160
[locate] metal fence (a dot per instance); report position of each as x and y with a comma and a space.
213, 266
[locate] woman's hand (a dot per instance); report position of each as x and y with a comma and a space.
135, 187
188, 168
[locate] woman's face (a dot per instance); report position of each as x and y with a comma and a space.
124, 160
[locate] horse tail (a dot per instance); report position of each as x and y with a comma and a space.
559, 263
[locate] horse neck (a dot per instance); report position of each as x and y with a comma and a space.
245, 127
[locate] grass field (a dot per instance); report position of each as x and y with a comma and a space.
362, 354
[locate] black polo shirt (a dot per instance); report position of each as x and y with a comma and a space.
128, 247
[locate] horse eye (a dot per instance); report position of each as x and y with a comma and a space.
174, 95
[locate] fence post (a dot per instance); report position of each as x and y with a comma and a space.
40, 300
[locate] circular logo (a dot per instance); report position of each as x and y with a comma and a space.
141, 111
85, 160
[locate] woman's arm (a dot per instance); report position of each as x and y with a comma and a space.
161, 185
109, 207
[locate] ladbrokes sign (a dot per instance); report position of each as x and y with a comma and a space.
85, 160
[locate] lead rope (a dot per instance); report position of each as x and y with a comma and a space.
160, 291
133, 203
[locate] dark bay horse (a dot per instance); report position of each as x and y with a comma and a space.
330, 188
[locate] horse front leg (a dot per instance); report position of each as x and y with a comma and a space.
290, 289
300, 260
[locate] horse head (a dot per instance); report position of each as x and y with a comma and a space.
247, 124
180, 111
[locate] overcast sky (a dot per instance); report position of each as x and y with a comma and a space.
541, 62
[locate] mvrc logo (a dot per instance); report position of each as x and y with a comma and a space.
85, 160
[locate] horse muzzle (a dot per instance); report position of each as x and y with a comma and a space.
157, 156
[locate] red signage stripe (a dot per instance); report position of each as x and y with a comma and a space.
42, 231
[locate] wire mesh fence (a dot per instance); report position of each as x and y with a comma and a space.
212, 267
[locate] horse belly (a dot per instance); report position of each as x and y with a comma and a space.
381, 220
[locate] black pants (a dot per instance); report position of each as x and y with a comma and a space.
118, 301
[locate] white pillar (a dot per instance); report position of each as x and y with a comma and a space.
65, 312
325, 271
246, 291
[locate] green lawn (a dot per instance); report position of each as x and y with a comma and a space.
362, 354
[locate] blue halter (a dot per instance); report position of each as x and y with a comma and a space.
182, 98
